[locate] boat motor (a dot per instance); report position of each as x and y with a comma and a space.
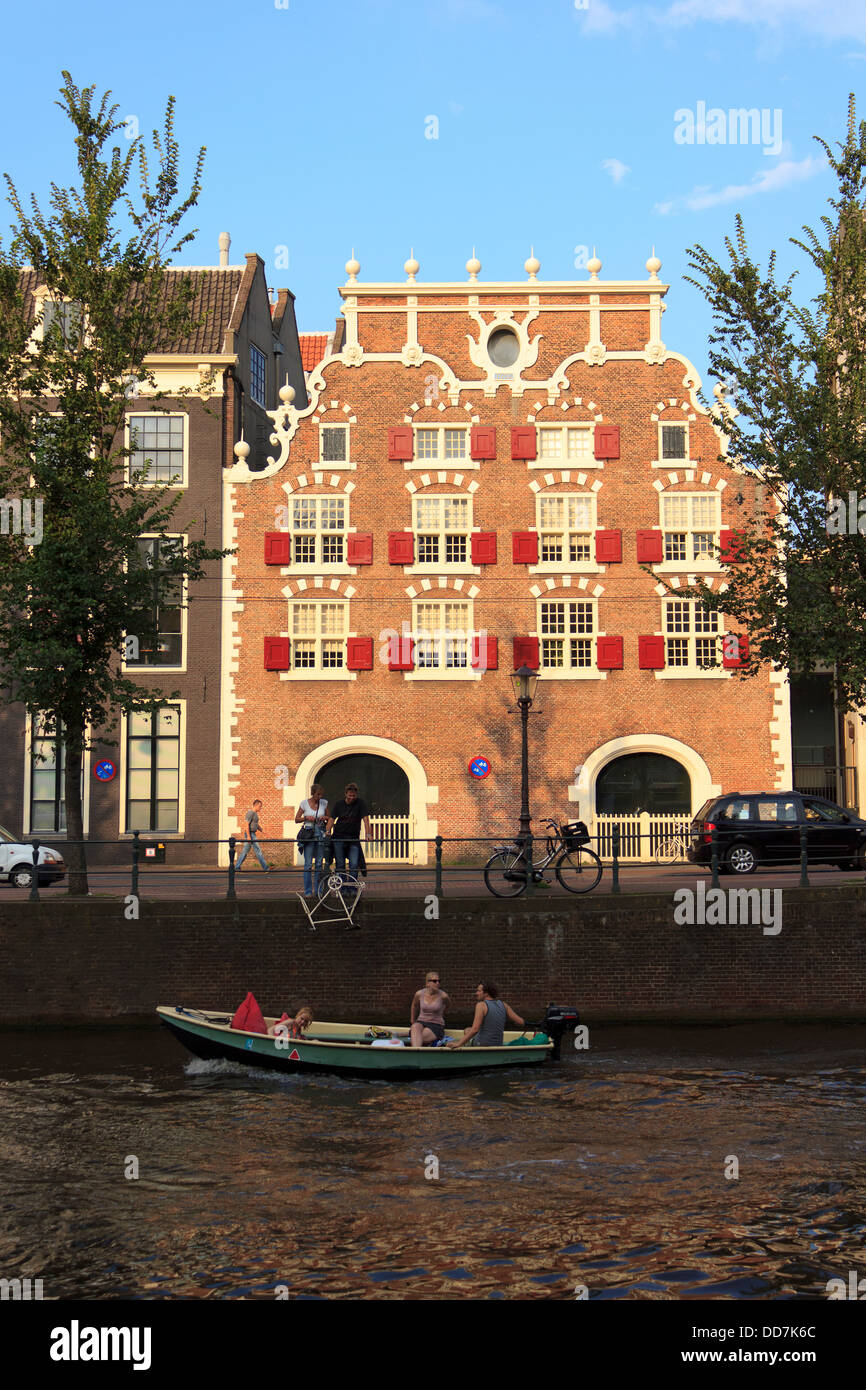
558, 1018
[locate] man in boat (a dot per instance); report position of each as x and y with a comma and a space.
488, 1026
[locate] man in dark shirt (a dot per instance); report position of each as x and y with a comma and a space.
344, 823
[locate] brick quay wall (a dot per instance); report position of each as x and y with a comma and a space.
616, 958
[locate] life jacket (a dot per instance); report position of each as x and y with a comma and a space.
249, 1018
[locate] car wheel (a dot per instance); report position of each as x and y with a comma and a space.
742, 860
21, 876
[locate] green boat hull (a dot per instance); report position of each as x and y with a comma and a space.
346, 1052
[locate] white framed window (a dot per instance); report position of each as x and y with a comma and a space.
442, 526
44, 779
690, 523
165, 615
158, 443
691, 634
334, 444
258, 376
566, 523
443, 443
673, 441
572, 444
566, 632
153, 768
318, 526
318, 629
442, 630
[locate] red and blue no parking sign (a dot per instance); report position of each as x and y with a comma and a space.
479, 767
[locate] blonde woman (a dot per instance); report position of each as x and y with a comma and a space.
427, 1022
312, 815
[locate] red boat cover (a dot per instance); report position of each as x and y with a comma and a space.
249, 1018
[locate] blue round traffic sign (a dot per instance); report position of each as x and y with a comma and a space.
105, 770
479, 767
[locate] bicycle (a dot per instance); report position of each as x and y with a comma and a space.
577, 867
672, 849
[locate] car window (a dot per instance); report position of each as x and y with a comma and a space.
704, 811
736, 809
823, 810
777, 809
6, 837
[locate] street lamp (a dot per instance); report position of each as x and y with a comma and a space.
524, 682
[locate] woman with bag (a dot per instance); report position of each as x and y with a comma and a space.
311, 838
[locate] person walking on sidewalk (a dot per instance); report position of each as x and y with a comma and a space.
251, 829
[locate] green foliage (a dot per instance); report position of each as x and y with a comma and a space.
795, 375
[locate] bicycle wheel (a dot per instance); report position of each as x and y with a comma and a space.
668, 851
330, 887
579, 870
505, 873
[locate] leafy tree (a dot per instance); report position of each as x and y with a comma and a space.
72, 581
795, 377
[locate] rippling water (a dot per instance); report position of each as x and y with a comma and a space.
608, 1171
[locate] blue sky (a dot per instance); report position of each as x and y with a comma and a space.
554, 124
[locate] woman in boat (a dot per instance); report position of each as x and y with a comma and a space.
294, 1027
488, 1026
428, 1013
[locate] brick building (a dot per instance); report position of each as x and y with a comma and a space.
486, 475
219, 382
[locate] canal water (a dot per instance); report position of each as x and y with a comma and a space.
607, 1172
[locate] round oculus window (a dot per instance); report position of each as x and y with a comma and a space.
503, 348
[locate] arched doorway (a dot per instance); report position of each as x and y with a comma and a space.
381, 783
638, 782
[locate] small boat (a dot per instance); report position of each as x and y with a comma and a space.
353, 1049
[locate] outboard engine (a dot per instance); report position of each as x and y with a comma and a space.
558, 1018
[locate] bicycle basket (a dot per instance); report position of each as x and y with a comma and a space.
574, 834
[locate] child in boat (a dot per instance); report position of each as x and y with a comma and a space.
293, 1027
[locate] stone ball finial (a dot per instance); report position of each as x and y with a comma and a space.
411, 267
287, 393
532, 265
473, 266
653, 266
242, 451
593, 266
352, 268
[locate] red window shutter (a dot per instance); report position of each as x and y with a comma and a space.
359, 548
607, 441
359, 653
485, 653
276, 653
482, 442
400, 442
523, 445
649, 547
401, 654
278, 548
484, 548
651, 653
609, 653
401, 547
735, 650
608, 547
525, 652
524, 547
730, 547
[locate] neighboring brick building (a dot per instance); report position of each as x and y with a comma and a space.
484, 468
232, 365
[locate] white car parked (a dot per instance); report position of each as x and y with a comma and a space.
16, 862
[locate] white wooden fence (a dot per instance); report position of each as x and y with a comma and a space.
390, 842
640, 834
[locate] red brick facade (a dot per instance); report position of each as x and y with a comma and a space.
589, 359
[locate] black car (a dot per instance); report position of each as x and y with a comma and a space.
763, 829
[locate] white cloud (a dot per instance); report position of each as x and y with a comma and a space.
831, 19
616, 169
781, 176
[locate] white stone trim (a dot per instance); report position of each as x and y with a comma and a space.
702, 784
780, 730
230, 705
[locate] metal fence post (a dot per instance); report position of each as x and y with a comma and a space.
230, 891
804, 859
714, 856
136, 856
439, 866
34, 882
530, 873
614, 868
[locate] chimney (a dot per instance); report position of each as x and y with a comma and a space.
225, 242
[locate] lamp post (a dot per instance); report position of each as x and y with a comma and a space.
524, 682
